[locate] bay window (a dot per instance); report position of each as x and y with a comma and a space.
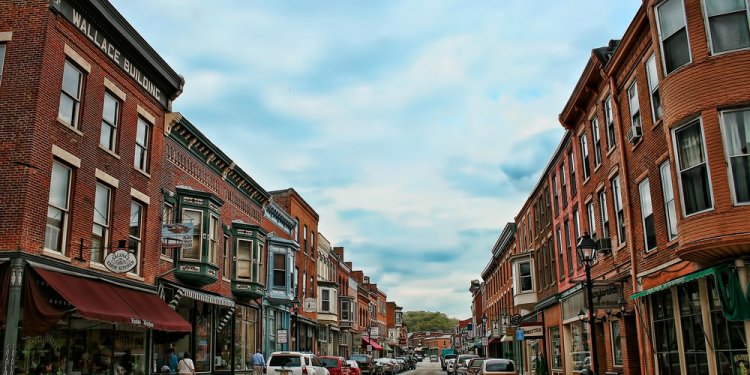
727, 24
693, 166
279, 270
193, 251
673, 35
736, 131
244, 265
325, 300
525, 277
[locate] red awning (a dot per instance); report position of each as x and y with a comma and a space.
372, 342
97, 300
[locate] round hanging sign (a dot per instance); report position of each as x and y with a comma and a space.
120, 261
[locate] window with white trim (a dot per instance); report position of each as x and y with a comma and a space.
279, 270
653, 88
619, 209
346, 313
244, 265
136, 232
55, 233
736, 132
592, 219
325, 300
214, 229
695, 186
673, 35
635, 106
727, 25
603, 214
142, 140
647, 215
555, 194
70, 95
670, 209
572, 168
195, 217
576, 235
585, 157
100, 231
597, 141
560, 253
609, 122
525, 277
110, 121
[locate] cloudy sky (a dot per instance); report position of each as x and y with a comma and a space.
416, 129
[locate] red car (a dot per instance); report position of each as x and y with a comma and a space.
353, 367
335, 365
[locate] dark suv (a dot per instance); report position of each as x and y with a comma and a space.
364, 361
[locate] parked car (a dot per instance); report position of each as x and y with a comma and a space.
364, 361
385, 366
335, 365
449, 365
353, 367
445, 358
406, 363
433, 358
475, 364
294, 363
459, 368
498, 366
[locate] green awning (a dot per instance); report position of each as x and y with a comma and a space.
680, 280
387, 348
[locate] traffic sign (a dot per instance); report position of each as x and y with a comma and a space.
519, 334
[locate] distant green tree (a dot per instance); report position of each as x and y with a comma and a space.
429, 321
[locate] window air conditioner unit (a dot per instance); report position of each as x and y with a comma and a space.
635, 133
604, 245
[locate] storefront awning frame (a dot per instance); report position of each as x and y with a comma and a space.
680, 280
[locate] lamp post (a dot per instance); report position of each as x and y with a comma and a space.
295, 310
586, 251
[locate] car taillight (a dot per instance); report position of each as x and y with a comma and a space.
304, 370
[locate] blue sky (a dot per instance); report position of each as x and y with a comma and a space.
416, 129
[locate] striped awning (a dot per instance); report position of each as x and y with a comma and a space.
205, 297
680, 280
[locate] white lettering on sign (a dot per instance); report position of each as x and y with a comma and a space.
120, 261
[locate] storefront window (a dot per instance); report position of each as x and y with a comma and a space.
244, 335
614, 329
554, 348
579, 355
203, 339
693, 337
729, 343
665, 333
272, 329
223, 341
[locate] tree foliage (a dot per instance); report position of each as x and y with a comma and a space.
429, 321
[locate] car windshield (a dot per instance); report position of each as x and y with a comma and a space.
284, 361
499, 366
330, 362
360, 358
476, 363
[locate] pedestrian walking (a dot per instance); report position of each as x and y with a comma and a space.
186, 365
258, 362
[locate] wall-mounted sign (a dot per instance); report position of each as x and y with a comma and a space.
606, 296
533, 331
310, 305
281, 336
120, 261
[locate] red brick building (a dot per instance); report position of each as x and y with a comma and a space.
498, 294
82, 106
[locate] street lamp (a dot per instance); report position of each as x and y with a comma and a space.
295, 310
586, 252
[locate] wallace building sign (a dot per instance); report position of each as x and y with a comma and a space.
109, 47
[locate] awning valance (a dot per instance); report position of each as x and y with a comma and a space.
205, 297
680, 280
375, 345
506, 338
98, 300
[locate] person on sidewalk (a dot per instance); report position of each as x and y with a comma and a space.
258, 362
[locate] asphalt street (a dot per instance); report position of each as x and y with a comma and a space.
427, 368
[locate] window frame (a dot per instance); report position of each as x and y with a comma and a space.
644, 192
105, 225
239, 257
604, 214
76, 98
709, 35
585, 157
661, 39
226, 256
136, 243
560, 255
572, 170
675, 144
609, 123
563, 184
555, 195
667, 179
141, 153
725, 131
614, 342
591, 217
530, 277
282, 271
197, 234
3, 50
596, 139
652, 76
634, 105
619, 209
113, 126
65, 211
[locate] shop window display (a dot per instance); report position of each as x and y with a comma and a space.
223, 342
203, 339
579, 355
244, 336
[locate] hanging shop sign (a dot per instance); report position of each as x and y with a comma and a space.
120, 261
180, 234
606, 296
533, 331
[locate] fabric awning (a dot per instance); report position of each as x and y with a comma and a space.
496, 340
372, 342
97, 300
205, 297
388, 348
506, 338
680, 280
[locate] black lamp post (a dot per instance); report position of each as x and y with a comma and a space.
586, 251
295, 310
